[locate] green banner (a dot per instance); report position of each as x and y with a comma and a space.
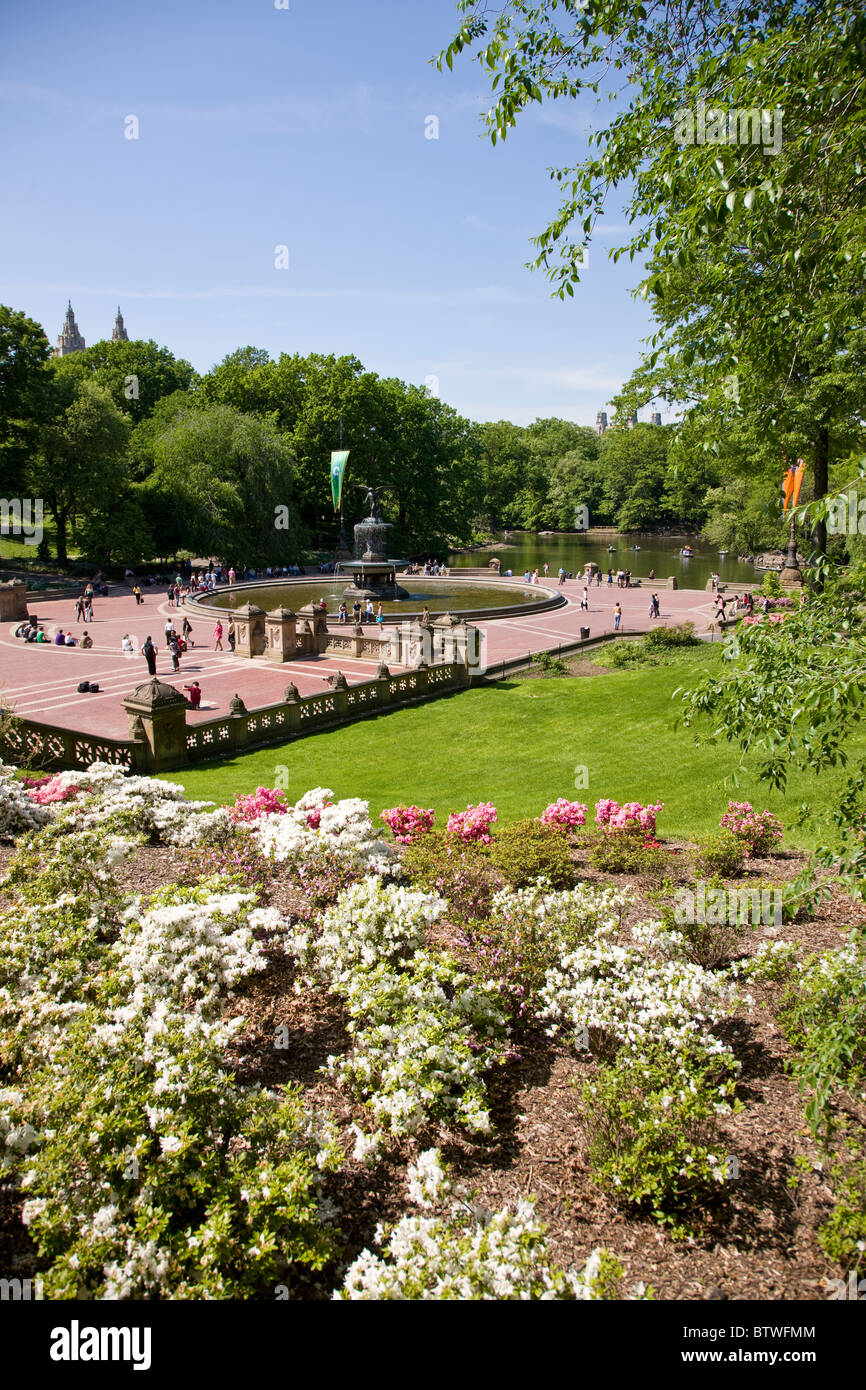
338, 468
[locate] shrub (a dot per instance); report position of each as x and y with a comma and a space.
653, 1141
758, 830
723, 854
571, 814
631, 816
474, 823
665, 638
549, 665
497, 1256
823, 1015
264, 801
407, 823
528, 850
627, 853
457, 870
843, 1236
771, 586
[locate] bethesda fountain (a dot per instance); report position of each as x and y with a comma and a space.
374, 576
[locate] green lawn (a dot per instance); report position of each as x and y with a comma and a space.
518, 744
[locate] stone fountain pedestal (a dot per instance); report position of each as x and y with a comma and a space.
374, 576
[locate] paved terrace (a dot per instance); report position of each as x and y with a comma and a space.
39, 681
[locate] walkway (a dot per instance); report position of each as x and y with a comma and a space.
39, 682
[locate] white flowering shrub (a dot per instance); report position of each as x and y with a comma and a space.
148, 1172
316, 826
423, 1038
506, 1257
371, 921
423, 1031
106, 796
18, 812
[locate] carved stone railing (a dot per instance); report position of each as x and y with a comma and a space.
28, 743
161, 739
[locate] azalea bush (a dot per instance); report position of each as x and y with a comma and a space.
652, 1124
530, 930
632, 816
503, 1256
723, 853
629, 853
317, 827
147, 1171
457, 870
527, 850
474, 823
264, 801
759, 830
570, 814
408, 823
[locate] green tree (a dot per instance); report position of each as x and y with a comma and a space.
634, 471
81, 454
25, 387
138, 373
222, 483
757, 263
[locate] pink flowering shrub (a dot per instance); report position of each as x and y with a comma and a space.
474, 823
48, 791
407, 823
759, 830
631, 816
263, 801
571, 814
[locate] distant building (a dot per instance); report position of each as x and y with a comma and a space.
70, 339
632, 420
601, 422
656, 417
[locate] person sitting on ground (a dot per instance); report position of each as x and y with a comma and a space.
86, 641
22, 628
126, 643
194, 694
59, 638
70, 640
38, 635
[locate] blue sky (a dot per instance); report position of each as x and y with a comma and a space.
305, 128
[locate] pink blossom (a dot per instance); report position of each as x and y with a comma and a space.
408, 823
631, 816
757, 829
262, 802
562, 812
473, 823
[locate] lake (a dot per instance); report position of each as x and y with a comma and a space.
528, 550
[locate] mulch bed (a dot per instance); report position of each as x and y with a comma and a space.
757, 1238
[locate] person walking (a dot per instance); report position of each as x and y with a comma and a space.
657, 606
186, 631
218, 637
546, 569
425, 616
137, 595
561, 575
79, 611
148, 651
584, 602
174, 648
598, 578
88, 607
610, 576
617, 617
627, 579
380, 616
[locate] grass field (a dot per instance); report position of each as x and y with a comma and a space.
519, 744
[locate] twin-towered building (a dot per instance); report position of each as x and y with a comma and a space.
70, 339
601, 423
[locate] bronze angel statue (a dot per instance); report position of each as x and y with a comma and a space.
373, 500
